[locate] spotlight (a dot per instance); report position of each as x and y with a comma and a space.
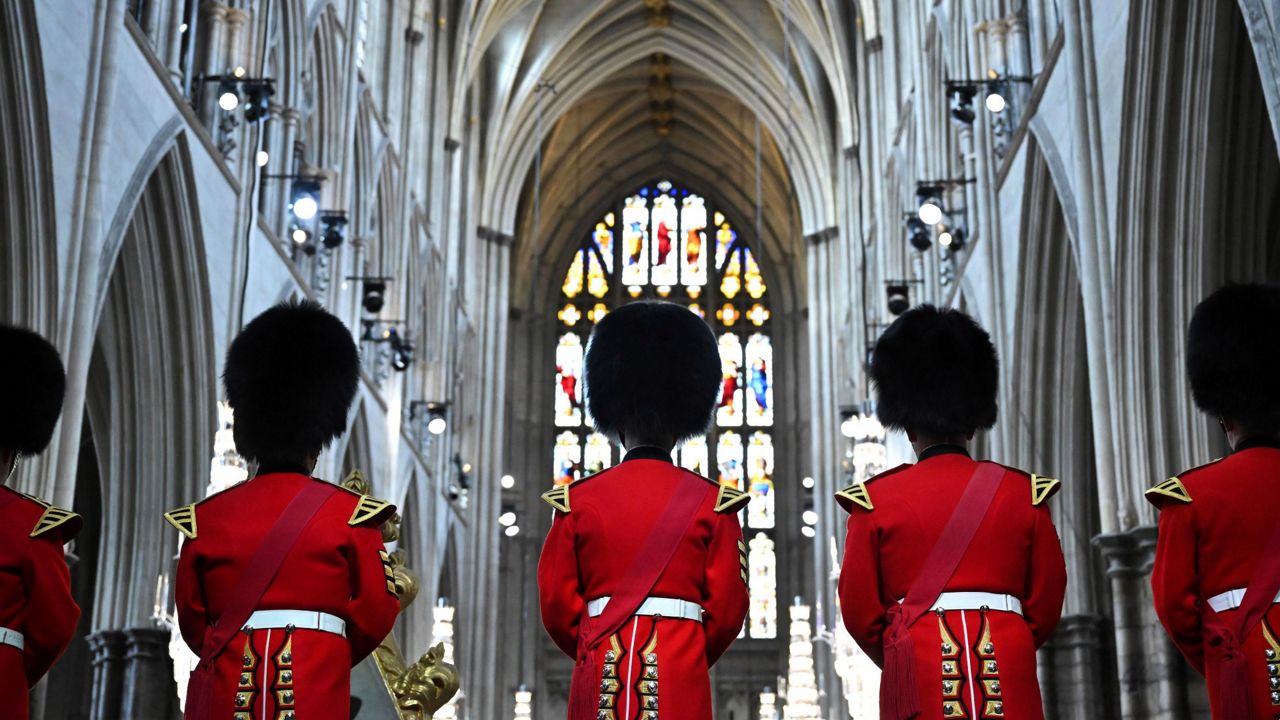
228, 100
263, 158
995, 98
930, 200
512, 531
401, 351
898, 300
810, 517
808, 531
331, 233
437, 423
375, 296
951, 240
306, 203
309, 249
507, 518
300, 236
918, 233
807, 482
182, 28
258, 99
239, 72
962, 104
507, 482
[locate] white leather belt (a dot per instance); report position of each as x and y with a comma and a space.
1231, 599
12, 637
299, 619
657, 606
977, 601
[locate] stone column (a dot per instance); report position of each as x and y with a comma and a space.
148, 675
283, 164
1076, 658
172, 52
213, 18
107, 649
152, 11
234, 51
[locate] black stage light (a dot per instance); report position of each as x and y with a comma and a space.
331, 230
918, 233
375, 296
951, 239
898, 299
257, 99
962, 104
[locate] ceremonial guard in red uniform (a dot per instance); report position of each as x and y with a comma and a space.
283, 583
37, 615
1217, 566
642, 578
953, 573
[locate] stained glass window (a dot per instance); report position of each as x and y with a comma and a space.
665, 242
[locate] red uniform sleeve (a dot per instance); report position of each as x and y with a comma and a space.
1175, 582
559, 586
861, 589
1046, 579
724, 598
374, 605
193, 619
51, 614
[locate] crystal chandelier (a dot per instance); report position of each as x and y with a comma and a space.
524, 704
859, 676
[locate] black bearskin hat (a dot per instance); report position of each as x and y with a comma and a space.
31, 385
290, 377
652, 366
935, 372
1233, 356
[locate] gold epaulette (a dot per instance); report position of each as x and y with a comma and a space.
1171, 488
52, 517
367, 509
1042, 487
184, 519
558, 498
858, 495
730, 499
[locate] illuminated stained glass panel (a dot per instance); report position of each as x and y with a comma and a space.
729, 412
693, 456
573, 278
760, 481
635, 240
759, 380
598, 456
729, 459
666, 239
724, 240
762, 585
753, 281
603, 238
731, 278
597, 284
567, 457
568, 387
693, 226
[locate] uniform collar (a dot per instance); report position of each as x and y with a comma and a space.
1257, 442
943, 449
647, 452
278, 468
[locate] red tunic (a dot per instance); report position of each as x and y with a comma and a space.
338, 566
592, 545
35, 593
1215, 522
969, 663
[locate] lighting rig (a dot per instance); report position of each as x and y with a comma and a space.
237, 89
933, 213
898, 295
996, 99
389, 332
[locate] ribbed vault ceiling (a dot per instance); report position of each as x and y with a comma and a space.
620, 92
